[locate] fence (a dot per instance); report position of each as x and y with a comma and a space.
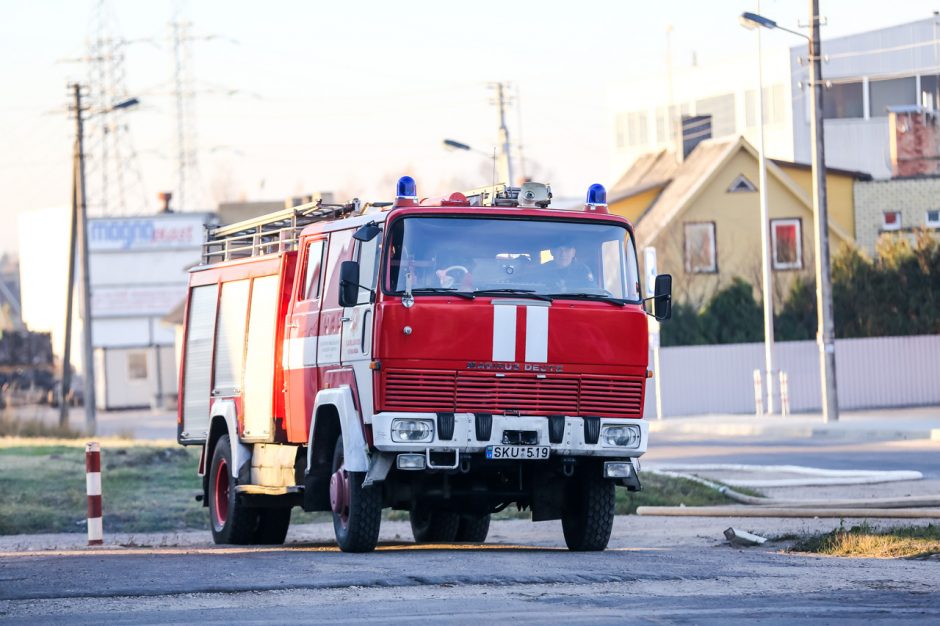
871, 373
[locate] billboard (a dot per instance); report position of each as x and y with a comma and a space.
144, 233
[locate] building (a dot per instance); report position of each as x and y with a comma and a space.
910, 200
865, 74
701, 213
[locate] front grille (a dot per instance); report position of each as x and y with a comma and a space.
445, 391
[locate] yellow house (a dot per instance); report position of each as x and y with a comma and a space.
703, 216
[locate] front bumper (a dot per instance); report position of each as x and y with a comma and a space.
465, 438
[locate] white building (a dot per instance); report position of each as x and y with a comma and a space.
865, 73
138, 274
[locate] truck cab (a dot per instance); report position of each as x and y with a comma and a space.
449, 358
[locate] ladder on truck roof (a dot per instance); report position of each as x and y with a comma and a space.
271, 233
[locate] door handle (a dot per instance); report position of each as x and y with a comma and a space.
346, 319
293, 325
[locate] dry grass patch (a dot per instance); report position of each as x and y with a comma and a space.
865, 540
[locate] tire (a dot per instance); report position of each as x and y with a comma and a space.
431, 526
272, 526
231, 522
357, 524
473, 529
588, 516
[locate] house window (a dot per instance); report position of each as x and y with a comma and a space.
700, 255
843, 100
891, 220
631, 129
721, 108
893, 92
137, 366
774, 103
787, 244
741, 183
933, 219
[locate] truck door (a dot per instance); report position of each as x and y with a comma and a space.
357, 331
331, 316
302, 333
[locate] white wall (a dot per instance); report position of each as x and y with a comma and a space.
870, 373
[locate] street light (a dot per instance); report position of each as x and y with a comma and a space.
753, 21
825, 335
452, 144
79, 236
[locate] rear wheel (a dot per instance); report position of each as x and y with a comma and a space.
231, 521
473, 529
588, 516
357, 510
272, 526
432, 526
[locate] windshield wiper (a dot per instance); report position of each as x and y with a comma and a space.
589, 296
451, 291
525, 293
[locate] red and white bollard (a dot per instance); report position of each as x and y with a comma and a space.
93, 488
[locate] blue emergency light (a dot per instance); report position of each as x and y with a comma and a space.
407, 188
597, 194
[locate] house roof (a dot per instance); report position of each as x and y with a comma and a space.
687, 179
829, 170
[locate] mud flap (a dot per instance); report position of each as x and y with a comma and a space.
379, 468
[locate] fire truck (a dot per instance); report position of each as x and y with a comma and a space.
448, 357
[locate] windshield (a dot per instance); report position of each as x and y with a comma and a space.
485, 254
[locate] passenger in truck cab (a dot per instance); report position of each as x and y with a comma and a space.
565, 272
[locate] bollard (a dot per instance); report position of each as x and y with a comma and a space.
784, 394
758, 394
93, 488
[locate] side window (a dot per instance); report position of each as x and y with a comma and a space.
312, 274
612, 261
369, 254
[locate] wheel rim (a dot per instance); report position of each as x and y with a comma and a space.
340, 493
221, 494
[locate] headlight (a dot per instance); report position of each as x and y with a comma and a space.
627, 436
411, 431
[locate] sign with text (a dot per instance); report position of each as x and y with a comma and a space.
135, 301
144, 233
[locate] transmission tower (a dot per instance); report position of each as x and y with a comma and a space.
189, 190
116, 185
504, 160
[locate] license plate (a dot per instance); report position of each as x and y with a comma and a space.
517, 453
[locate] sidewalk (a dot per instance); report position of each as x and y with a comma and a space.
870, 425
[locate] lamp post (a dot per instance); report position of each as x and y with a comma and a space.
825, 334
766, 275
452, 144
79, 236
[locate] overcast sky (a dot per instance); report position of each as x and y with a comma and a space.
298, 96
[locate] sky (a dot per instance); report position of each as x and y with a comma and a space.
295, 97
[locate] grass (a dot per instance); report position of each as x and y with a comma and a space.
151, 488
866, 540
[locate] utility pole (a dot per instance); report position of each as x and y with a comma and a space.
505, 158
70, 290
766, 274
85, 302
825, 335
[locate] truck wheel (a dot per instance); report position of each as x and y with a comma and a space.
588, 516
357, 510
431, 526
231, 522
473, 529
272, 526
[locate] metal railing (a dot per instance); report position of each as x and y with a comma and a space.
272, 233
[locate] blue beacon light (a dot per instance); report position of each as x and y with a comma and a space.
407, 188
597, 195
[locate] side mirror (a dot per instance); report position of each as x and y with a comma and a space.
367, 232
662, 300
349, 283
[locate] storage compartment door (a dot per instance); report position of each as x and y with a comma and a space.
197, 365
259, 358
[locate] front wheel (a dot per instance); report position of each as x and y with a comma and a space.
231, 521
357, 510
588, 515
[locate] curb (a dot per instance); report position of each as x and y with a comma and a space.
793, 432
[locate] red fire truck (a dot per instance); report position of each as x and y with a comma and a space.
448, 358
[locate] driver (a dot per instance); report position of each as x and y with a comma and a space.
565, 271
453, 273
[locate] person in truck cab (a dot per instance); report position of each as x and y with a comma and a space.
453, 272
565, 272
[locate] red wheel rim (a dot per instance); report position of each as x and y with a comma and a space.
221, 494
340, 494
